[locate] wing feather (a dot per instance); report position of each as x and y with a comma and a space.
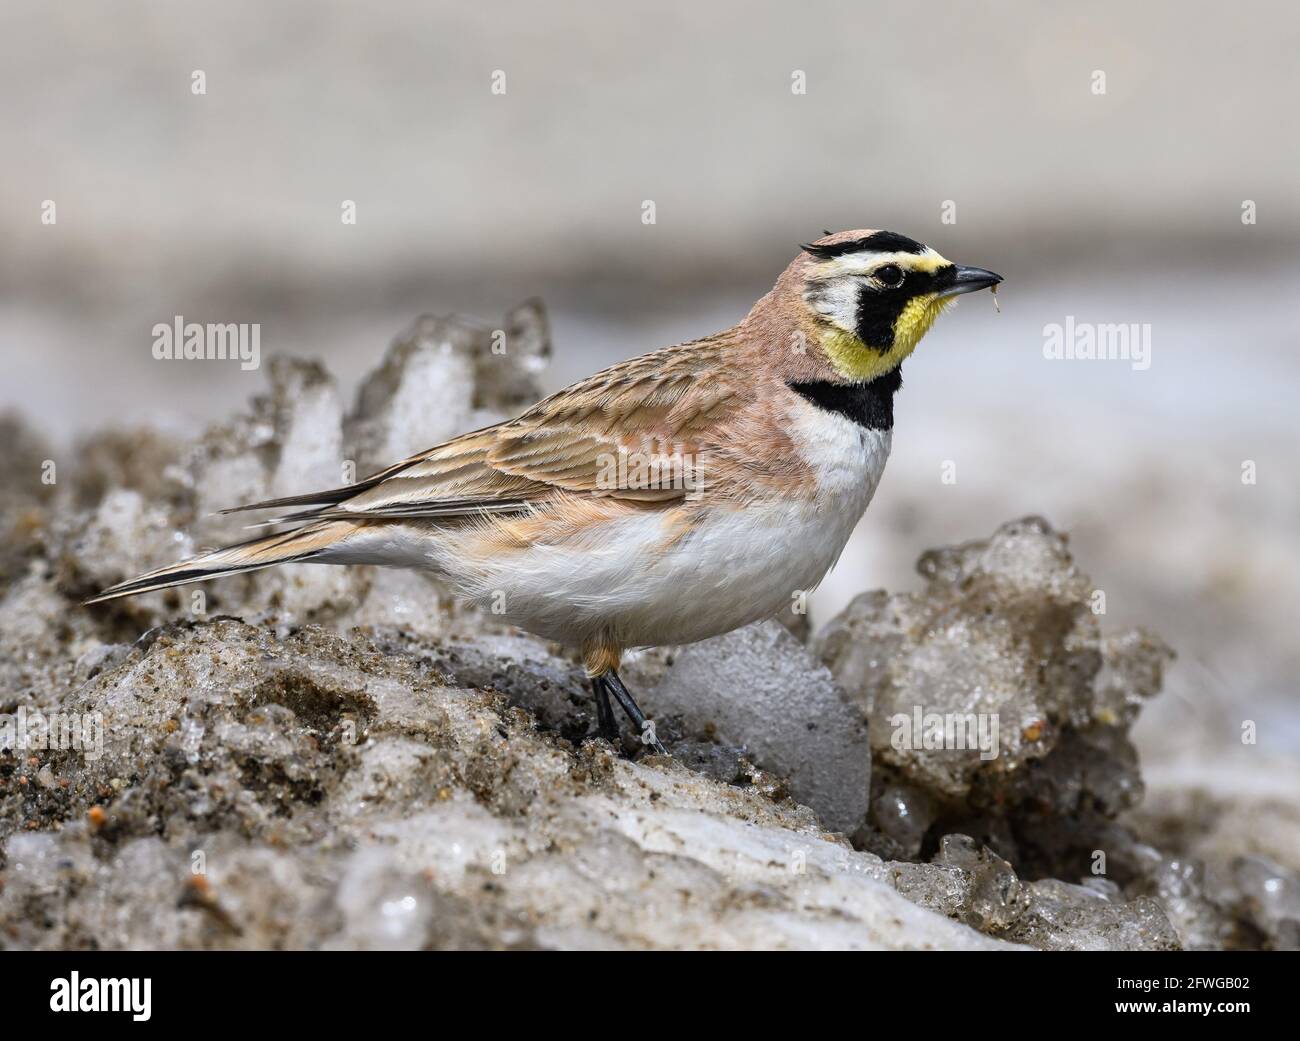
653, 413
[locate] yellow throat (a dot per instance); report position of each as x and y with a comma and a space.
854, 360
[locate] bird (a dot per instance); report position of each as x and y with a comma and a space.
664, 500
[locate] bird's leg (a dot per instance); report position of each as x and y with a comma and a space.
606, 725
645, 733
601, 656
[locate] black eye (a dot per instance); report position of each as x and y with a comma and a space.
890, 275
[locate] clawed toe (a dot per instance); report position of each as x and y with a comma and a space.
603, 687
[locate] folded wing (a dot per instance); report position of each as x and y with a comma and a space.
634, 431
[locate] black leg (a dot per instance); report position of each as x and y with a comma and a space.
634, 713
606, 725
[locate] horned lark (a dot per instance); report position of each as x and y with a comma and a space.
667, 499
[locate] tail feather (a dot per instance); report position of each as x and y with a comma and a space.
287, 547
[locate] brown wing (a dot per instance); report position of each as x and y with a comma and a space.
633, 431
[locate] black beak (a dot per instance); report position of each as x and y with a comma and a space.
961, 279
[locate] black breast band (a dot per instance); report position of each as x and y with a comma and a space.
869, 404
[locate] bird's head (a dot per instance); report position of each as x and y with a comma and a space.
864, 299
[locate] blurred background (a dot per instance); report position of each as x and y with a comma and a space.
1115, 205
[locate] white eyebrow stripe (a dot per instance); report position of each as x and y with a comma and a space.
861, 263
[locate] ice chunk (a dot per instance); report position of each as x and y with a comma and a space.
993, 690
445, 376
973, 884
1268, 895
760, 688
308, 428
902, 815
1065, 917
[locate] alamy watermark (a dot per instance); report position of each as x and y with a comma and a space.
215, 341
1091, 341
30, 730
72, 993
660, 468
952, 731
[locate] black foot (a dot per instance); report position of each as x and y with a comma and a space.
644, 728
606, 724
